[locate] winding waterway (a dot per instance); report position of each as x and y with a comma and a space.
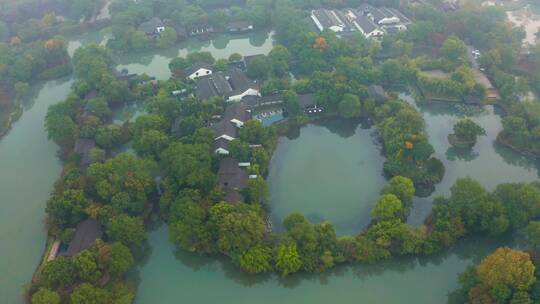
29, 168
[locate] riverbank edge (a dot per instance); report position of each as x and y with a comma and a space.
13, 117
524, 152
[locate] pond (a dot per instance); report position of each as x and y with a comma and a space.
156, 64
331, 170
488, 162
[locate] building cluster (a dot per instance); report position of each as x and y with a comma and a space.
243, 97
371, 21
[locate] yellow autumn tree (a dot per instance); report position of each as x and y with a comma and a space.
53, 44
511, 268
320, 44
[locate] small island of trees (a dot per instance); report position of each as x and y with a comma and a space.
465, 134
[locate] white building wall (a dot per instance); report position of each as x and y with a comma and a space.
199, 73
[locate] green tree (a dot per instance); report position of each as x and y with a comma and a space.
533, 234
127, 230
97, 155
121, 259
167, 38
466, 130
189, 227
139, 41
288, 260
178, 65
150, 143
45, 296
403, 188
67, 208
88, 294
256, 259
109, 136
58, 273
257, 190
87, 265
123, 173
388, 207
454, 50
350, 106
259, 68
60, 127
189, 166
292, 104
238, 228
99, 107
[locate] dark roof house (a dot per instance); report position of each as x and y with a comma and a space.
376, 92
238, 27
308, 103
327, 19
198, 69
83, 147
227, 128
252, 101
86, 233
232, 179
233, 85
153, 26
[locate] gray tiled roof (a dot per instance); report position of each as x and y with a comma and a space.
83, 148
212, 85
234, 82
326, 18
306, 100
150, 26
366, 24
236, 111
232, 179
196, 66
239, 81
86, 234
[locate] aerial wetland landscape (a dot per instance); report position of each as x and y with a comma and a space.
263, 151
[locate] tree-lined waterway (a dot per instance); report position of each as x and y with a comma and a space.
347, 154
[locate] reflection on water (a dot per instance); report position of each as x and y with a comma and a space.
172, 274
465, 154
156, 62
328, 170
486, 162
